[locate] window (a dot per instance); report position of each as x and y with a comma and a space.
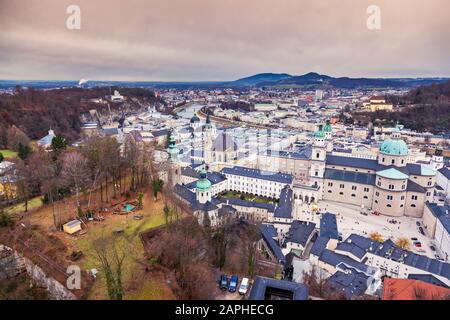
353, 187
329, 191
402, 197
366, 189
341, 193
366, 197
317, 155
413, 205
413, 197
389, 197
341, 186
393, 161
330, 184
430, 183
377, 193
391, 187
353, 195
388, 206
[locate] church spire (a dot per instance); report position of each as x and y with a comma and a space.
172, 150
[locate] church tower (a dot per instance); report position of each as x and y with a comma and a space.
328, 136
174, 171
203, 188
437, 160
319, 146
318, 157
208, 141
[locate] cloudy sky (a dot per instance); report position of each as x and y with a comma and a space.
222, 39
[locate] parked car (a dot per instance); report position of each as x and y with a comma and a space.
418, 244
432, 248
223, 282
418, 223
233, 283
421, 231
244, 286
437, 256
414, 239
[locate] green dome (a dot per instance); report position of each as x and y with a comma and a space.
327, 127
203, 183
394, 147
195, 119
320, 133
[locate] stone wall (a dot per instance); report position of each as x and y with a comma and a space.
12, 264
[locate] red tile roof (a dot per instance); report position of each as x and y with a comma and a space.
408, 289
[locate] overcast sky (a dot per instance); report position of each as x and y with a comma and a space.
222, 39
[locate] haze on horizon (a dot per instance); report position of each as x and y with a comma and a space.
211, 40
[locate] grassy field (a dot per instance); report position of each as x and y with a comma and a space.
138, 282
136, 285
8, 153
247, 197
20, 207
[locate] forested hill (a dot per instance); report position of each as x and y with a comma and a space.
426, 108
35, 111
425, 95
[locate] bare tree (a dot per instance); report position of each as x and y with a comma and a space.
75, 172
16, 137
318, 285
25, 181
91, 151
111, 260
47, 174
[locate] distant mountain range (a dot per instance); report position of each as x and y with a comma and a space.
310, 80
315, 80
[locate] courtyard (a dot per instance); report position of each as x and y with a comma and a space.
247, 197
350, 220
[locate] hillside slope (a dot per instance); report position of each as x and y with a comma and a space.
36, 111
426, 108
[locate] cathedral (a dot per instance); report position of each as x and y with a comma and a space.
389, 185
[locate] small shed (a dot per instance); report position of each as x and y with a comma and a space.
72, 226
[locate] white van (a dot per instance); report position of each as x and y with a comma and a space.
244, 286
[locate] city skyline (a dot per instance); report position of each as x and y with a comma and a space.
212, 41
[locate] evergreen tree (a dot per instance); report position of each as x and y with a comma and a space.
59, 143
24, 151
